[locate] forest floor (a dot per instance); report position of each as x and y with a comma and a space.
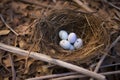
17, 20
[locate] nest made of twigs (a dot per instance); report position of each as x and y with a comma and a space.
87, 26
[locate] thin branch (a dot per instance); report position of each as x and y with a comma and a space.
99, 64
13, 69
114, 43
8, 25
43, 57
104, 56
52, 76
118, 8
83, 76
110, 65
66, 74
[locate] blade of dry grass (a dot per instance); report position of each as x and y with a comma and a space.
83, 5
13, 69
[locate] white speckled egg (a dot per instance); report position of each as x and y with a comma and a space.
63, 35
65, 44
78, 43
72, 37
72, 47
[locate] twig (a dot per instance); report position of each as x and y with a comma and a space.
83, 76
110, 65
52, 76
13, 69
8, 25
99, 64
111, 5
104, 56
114, 43
48, 59
83, 5
65, 74
36, 3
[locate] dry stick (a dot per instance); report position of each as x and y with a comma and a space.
52, 76
99, 64
83, 76
48, 59
65, 74
83, 5
118, 8
13, 69
8, 25
103, 57
114, 43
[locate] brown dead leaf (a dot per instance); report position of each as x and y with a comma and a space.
6, 62
23, 29
22, 44
43, 69
19, 57
4, 32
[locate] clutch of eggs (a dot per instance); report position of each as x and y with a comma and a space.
69, 42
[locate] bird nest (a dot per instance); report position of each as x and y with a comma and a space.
87, 26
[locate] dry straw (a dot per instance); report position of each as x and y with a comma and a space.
87, 26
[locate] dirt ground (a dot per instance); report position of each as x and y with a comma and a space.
17, 21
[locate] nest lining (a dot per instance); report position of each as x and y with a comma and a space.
86, 26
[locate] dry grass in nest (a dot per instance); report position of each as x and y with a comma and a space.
87, 26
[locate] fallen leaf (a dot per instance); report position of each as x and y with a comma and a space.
22, 44
4, 32
6, 62
23, 29
19, 57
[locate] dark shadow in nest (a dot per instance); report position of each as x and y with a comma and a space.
86, 26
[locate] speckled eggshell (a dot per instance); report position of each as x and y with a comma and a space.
78, 43
65, 44
63, 34
72, 37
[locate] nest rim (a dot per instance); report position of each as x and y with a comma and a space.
58, 20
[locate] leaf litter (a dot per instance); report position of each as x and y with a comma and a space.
21, 17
